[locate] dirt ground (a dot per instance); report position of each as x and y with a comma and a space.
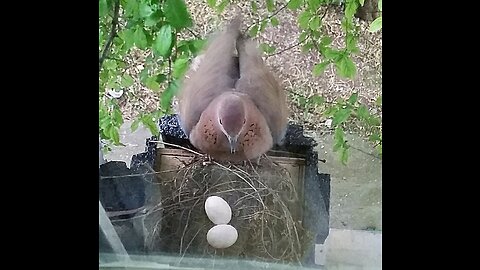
293, 67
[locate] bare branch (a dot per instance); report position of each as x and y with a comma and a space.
268, 17
288, 48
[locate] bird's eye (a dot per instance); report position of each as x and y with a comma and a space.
244, 121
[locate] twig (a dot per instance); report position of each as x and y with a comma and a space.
193, 33
137, 174
325, 13
288, 48
170, 70
268, 17
113, 33
365, 152
179, 146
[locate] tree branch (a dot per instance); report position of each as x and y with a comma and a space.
193, 33
288, 48
113, 33
268, 17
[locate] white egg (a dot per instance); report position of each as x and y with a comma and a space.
218, 210
222, 236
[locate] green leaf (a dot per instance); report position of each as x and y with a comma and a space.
222, 5
307, 47
325, 41
212, 3
350, 8
163, 42
340, 116
127, 80
154, 18
180, 66
314, 23
263, 24
161, 78
267, 48
362, 2
318, 69
167, 95
143, 75
197, 45
302, 37
135, 124
113, 134
140, 38
344, 156
374, 121
117, 117
314, 4
339, 139
304, 19
274, 21
347, 24
345, 67
331, 54
330, 111
177, 14
253, 31
302, 101
145, 10
270, 5
102, 8
110, 64
254, 6
374, 137
351, 42
379, 149
316, 99
337, 146
353, 98
131, 8
128, 36
106, 131
379, 101
362, 112
183, 49
376, 25
294, 4
104, 122
152, 84
150, 124
380, 5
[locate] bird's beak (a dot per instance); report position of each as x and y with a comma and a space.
233, 143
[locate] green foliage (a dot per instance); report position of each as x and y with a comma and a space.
270, 5
376, 25
177, 14
343, 113
311, 14
267, 48
163, 42
151, 27
294, 4
222, 5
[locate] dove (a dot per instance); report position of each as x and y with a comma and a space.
232, 107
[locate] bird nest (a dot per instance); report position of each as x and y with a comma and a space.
265, 199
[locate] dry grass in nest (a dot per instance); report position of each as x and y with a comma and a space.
266, 211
